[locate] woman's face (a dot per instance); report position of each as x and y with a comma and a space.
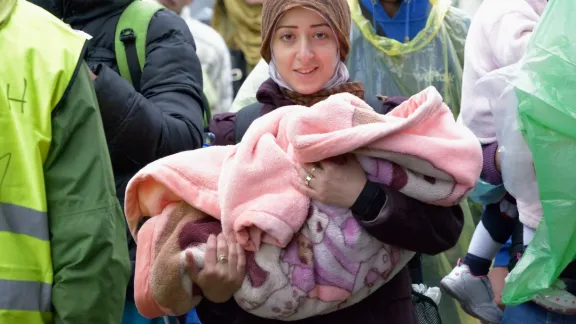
305, 50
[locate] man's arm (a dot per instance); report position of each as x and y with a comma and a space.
88, 240
166, 117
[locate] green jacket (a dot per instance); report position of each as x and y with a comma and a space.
86, 225
89, 254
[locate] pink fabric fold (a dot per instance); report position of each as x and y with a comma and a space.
317, 258
249, 186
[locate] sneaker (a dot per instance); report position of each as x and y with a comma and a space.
556, 299
474, 293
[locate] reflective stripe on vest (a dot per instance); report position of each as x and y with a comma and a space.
40, 55
22, 220
25, 295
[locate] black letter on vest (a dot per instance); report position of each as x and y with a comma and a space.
20, 101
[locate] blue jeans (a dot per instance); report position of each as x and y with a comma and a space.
530, 313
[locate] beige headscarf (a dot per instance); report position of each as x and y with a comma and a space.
337, 15
336, 12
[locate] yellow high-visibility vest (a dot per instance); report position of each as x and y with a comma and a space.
39, 56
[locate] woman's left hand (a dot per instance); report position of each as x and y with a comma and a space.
336, 182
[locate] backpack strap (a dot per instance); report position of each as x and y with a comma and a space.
244, 118
211, 96
130, 45
130, 40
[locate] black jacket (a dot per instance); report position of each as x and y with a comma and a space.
166, 116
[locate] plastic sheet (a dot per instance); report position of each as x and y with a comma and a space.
517, 164
434, 57
545, 86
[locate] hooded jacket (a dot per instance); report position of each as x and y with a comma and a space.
87, 244
166, 116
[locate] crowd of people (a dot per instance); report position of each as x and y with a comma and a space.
95, 93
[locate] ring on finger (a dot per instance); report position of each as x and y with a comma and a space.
222, 259
308, 179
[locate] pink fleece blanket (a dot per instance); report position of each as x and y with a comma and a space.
318, 259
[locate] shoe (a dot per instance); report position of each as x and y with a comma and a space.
474, 293
556, 299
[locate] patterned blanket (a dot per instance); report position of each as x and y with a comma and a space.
305, 258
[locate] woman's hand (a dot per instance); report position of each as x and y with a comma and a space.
336, 182
223, 272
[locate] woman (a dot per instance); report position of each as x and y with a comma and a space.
306, 43
434, 57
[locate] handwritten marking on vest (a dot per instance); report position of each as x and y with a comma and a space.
20, 101
4, 164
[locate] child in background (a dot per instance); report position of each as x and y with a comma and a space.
498, 37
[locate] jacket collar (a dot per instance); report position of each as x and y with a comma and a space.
271, 96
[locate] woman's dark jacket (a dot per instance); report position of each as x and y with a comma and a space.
387, 215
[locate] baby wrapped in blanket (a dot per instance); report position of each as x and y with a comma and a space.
307, 258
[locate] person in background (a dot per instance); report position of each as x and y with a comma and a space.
63, 256
213, 54
239, 22
201, 10
499, 38
164, 115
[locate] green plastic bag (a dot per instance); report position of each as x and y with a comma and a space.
547, 112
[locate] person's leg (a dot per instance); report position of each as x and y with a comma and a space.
468, 282
496, 227
527, 313
497, 279
517, 245
499, 272
530, 313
